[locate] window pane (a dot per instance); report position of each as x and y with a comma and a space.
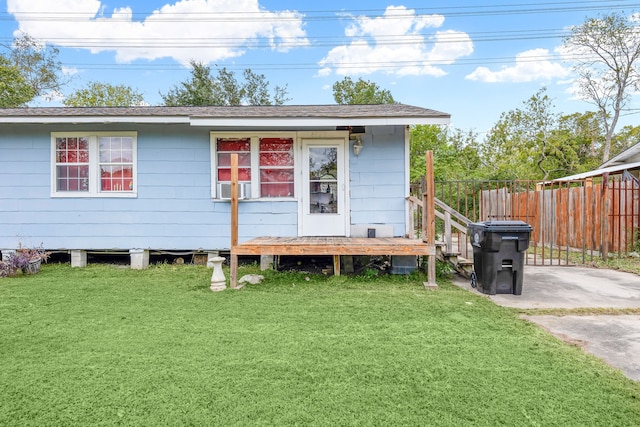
224, 175
72, 150
83, 156
323, 163
105, 153
72, 178
276, 175
244, 159
322, 197
276, 144
323, 184
234, 144
116, 178
127, 150
276, 190
116, 150
276, 159
116, 158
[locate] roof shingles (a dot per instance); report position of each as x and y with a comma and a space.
235, 112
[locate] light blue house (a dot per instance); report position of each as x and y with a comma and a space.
157, 178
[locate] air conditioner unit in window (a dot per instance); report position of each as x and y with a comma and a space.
224, 190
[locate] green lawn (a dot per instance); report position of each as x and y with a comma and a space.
110, 346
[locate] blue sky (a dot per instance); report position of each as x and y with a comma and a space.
472, 59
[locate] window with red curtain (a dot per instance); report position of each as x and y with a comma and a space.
276, 167
227, 146
99, 164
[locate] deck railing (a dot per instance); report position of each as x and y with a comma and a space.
452, 232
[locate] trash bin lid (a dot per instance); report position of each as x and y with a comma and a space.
504, 226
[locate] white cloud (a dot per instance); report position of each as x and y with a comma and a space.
69, 71
394, 43
204, 30
531, 65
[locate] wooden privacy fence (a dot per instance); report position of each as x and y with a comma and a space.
581, 218
575, 215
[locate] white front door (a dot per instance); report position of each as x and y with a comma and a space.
324, 210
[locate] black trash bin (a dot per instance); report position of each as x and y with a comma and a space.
498, 255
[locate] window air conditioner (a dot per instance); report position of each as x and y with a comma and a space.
224, 190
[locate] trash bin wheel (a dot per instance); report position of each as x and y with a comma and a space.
474, 280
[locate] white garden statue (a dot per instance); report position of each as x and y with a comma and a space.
218, 281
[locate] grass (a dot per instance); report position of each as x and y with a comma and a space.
110, 346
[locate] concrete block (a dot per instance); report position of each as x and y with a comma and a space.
347, 264
139, 259
78, 258
267, 262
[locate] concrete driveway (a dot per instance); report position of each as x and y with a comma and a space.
613, 338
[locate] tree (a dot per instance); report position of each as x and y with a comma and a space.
606, 51
360, 92
199, 90
535, 143
455, 153
97, 94
14, 90
582, 137
256, 90
38, 65
224, 89
625, 138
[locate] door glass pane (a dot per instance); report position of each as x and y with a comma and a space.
323, 180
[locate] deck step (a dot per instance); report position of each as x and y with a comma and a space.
462, 265
465, 267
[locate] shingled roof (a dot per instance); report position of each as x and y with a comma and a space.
338, 114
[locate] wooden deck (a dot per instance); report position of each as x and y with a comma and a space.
333, 246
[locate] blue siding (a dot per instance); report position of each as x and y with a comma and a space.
378, 180
173, 209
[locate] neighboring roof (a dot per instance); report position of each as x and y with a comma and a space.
598, 172
627, 154
249, 115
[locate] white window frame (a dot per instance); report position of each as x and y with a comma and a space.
94, 165
255, 162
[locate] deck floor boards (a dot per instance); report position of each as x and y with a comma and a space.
333, 246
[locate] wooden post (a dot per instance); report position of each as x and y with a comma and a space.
233, 262
429, 219
410, 220
448, 237
604, 217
